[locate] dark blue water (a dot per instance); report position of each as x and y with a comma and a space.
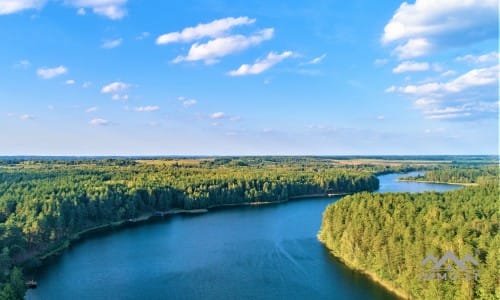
259, 252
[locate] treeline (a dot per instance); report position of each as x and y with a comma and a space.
456, 174
389, 235
43, 203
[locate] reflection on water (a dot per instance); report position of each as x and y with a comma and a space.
263, 252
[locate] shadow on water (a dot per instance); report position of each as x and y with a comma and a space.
357, 279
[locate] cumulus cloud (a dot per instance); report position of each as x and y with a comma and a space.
222, 46
112, 9
411, 66
148, 108
448, 73
110, 44
217, 115
473, 78
426, 25
188, 103
487, 58
214, 29
390, 89
261, 65
99, 122
69, 82
48, 73
468, 96
115, 87
14, 6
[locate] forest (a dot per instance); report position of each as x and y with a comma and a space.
458, 174
45, 202
387, 236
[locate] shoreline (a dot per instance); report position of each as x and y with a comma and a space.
57, 249
372, 276
438, 182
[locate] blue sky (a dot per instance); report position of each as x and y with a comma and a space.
136, 77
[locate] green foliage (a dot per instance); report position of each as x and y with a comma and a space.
43, 203
457, 174
390, 234
14, 288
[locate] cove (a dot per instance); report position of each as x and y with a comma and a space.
248, 252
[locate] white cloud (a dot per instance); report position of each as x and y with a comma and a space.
222, 46
487, 58
261, 65
26, 117
390, 89
110, 44
86, 84
432, 24
14, 6
471, 95
188, 103
69, 82
448, 73
99, 122
48, 73
112, 9
91, 109
217, 115
123, 97
413, 48
423, 102
316, 60
115, 87
214, 29
411, 66
380, 117
146, 108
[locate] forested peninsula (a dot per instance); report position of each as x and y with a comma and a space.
387, 236
46, 203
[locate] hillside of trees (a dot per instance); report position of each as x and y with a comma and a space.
389, 235
44, 202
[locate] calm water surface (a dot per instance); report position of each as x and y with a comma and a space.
260, 252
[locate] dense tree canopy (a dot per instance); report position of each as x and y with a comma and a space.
389, 235
44, 202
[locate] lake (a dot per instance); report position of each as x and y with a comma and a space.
248, 252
